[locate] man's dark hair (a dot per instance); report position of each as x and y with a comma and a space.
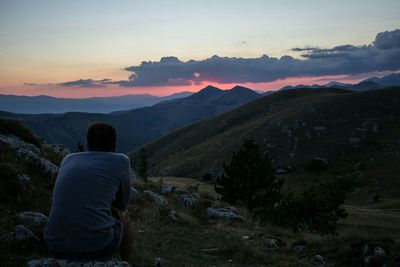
101, 137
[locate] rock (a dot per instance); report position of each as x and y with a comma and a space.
32, 219
322, 160
380, 252
355, 141
299, 248
51, 262
135, 194
31, 152
359, 166
319, 128
140, 231
223, 213
173, 215
159, 199
209, 250
24, 178
158, 262
167, 189
21, 233
318, 260
245, 237
397, 244
188, 200
273, 243
281, 171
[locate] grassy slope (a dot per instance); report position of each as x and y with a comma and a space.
279, 123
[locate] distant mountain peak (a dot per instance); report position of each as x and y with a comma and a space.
210, 88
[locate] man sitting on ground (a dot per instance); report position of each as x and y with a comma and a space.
88, 218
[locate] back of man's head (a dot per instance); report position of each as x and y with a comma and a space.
101, 137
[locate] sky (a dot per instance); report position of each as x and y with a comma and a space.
102, 48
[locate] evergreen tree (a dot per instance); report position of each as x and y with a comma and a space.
249, 178
142, 164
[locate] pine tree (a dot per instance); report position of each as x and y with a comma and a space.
142, 164
249, 178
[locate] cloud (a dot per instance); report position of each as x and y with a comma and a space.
382, 54
86, 83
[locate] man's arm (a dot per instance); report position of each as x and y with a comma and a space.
123, 194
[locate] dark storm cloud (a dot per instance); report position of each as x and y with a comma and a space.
86, 83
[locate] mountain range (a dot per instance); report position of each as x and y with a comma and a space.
46, 104
294, 126
372, 83
138, 126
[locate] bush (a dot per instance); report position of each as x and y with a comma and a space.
316, 209
249, 178
12, 127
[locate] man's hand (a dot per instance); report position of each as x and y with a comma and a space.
121, 215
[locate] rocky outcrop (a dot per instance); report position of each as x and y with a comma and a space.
30, 152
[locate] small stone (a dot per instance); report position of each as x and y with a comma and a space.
24, 178
380, 252
299, 248
167, 189
140, 231
318, 260
188, 200
281, 171
245, 237
158, 262
173, 215
354, 141
272, 243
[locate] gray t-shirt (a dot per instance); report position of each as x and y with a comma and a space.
87, 185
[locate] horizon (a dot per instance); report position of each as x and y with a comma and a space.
81, 50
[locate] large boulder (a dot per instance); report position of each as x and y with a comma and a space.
51, 262
223, 213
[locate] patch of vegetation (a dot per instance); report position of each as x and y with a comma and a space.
141, 166
249, 178
15, 128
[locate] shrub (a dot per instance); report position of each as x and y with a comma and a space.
249, 178
316, 209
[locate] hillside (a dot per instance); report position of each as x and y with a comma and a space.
294, 126
46, 104
138, 126
172, 221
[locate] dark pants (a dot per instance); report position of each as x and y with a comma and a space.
101, 254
